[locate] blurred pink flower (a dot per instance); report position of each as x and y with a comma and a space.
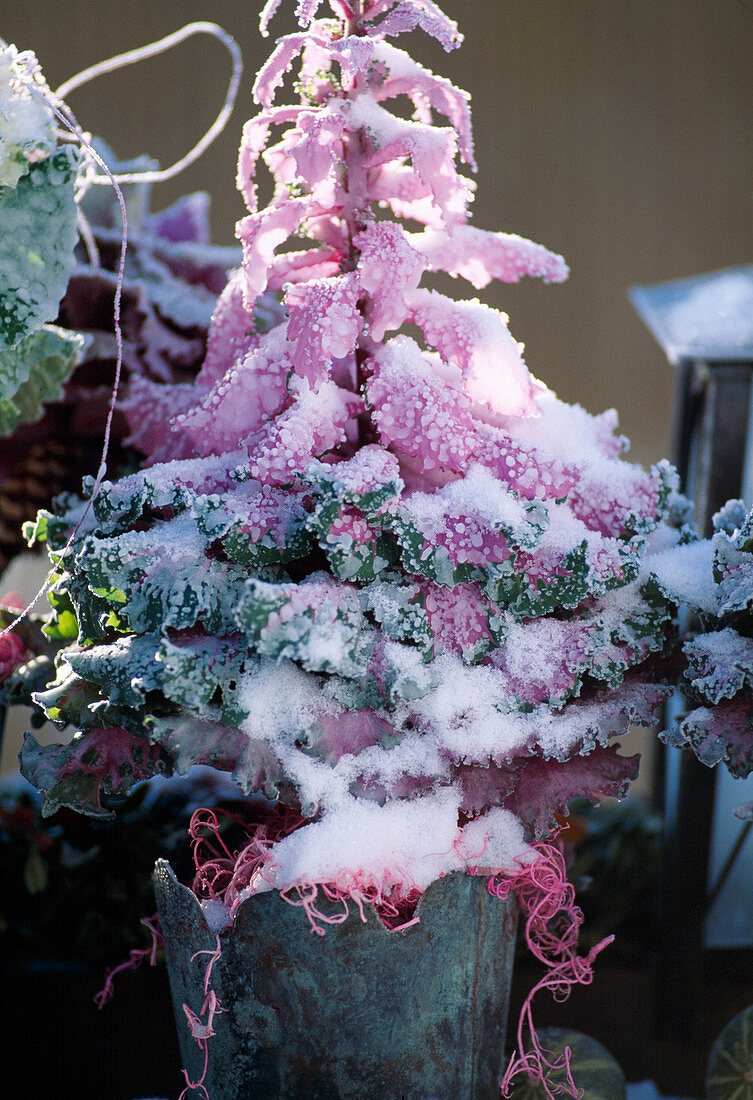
13, 652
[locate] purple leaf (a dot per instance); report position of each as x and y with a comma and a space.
98, 764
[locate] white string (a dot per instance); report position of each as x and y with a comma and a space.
152, 50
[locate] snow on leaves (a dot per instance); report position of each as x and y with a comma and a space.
324, 324
479, 256
377, 568
720, 734
476, 339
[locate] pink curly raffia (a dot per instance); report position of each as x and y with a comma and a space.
397, 913
231, 876
133, 962
553, 922
201, 1031
226, 875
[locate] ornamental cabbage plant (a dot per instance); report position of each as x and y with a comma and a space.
371, 567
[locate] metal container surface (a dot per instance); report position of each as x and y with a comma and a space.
359, 1013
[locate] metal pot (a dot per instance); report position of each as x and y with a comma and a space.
361, 1013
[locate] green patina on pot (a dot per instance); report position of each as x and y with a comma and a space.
359, 1012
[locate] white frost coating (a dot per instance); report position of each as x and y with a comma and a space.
177, 539
685, 573
202, 474
401, 844
26, 127
282, 702
495, 842
216, 914
478, 494
706, 317
397, 846
568, 431
467, 712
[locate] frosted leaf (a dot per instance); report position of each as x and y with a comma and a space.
720, 664
313, 151
335, 736
404, 76
397, 605
631, 620
253, 141
466, 527
33, 372
299, 267
38, 228
370, 479
257, 524
684, 574
250, 393
545, 660
419, 408
306, 10
194, 670
723, 734
96, 765
161, 577
324, 324
616, 497
388, 270
475, 718
267, 13
189, 740
127, 669
314, 424
432, 151
150, 409
356, 549
418, 411
347, 492
476, 338
568, 430
732, 571
409, 14
272, 72
529, 471
171, 485
28, 122
397, 186
318, 624
479, 256
543, 787
458, 620
261, 234
730, 518
232, 337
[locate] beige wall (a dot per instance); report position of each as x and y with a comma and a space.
618, 132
